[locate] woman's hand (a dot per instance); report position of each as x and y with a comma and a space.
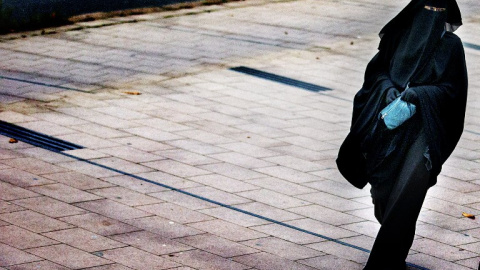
392, 94
410, 96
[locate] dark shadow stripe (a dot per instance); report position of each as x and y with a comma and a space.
472, 132
43, 84
280, 79
471, 46
229, 207
35, 138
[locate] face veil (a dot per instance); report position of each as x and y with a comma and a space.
417, 30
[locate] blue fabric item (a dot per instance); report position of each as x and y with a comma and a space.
396, 113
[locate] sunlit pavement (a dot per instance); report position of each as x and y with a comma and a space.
206, 139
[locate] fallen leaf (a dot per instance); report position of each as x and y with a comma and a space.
134, 93
467, 215
12, 140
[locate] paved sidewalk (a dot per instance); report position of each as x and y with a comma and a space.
188, 164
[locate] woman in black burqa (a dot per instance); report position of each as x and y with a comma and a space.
423, 62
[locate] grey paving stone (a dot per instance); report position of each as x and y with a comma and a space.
283, 248
217, 245
266, 261
227, 230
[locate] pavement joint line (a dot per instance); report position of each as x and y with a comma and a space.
280, 79
228, 206
472, 132
471, 46
43, 84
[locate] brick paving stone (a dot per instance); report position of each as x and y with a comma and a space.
217, 195
203, 260
8, 207
273, 198
234, 216
134, 184
184, 200
341, 251
46, 127
130, 154
22, 239
110, 267
43, 265
84, 240
433, 263
471, 263
142, 144
138, 259
283, 248
11, 192
300, 152
99, 224
45, 155
125, 196
343, 190
368, 228
444, 236
13, 117
196, 146
64, 193
241, 160
168, 180
249, 149
151, 242
308, 143
186, 157
86, 153
49, 207
268, 211
122, 165
223, 183
441, 250
11, 256
332, 201
100, 131
33, 221
286, 233
122, 113
8, 154
175, 212
217, 245
161, 124
232, 171
21, 178
175, 168
152, 134
446, 221
227, 230
324, 214
322, 228
266, 261
88, 169
77, 180
331, 262
164, 227
112, 209
68, 256
288, 174
296, 163
87, 140
32, 165
281, 186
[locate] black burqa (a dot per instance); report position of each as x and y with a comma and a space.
420, 59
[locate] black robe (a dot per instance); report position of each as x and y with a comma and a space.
440, 83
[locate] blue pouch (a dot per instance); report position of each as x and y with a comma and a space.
397, 112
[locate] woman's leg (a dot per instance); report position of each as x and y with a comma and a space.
397, 207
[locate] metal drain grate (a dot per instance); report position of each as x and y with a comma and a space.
35, 138
280, 79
